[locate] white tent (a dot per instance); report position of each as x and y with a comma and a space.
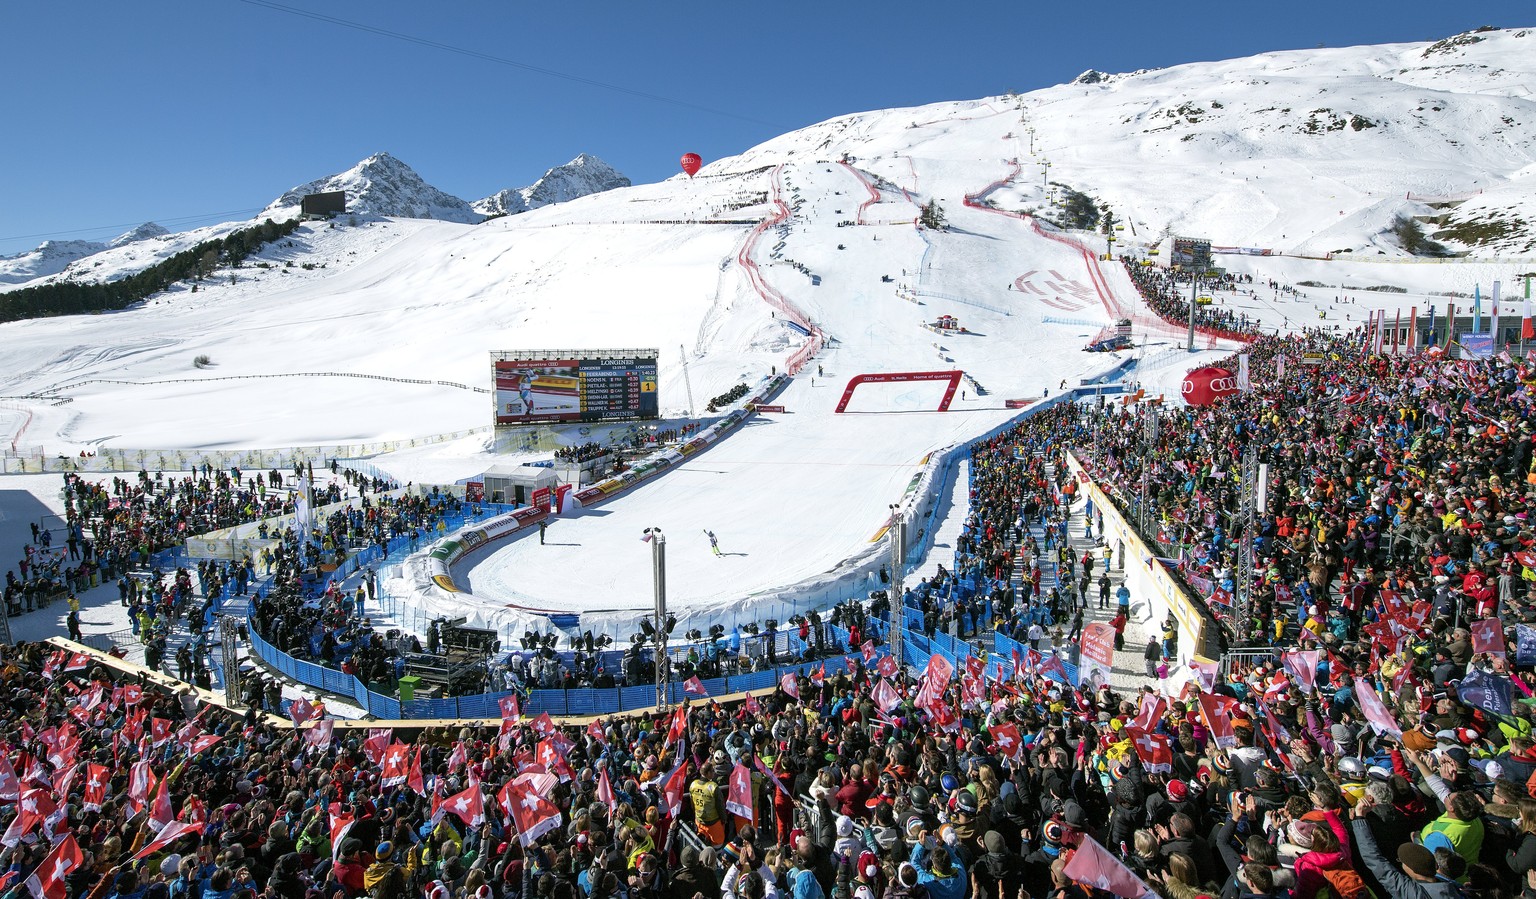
509, 483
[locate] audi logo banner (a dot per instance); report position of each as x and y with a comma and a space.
1204, 386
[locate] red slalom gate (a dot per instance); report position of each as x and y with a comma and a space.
953, 377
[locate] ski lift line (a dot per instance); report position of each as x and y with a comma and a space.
502, 60
172, 221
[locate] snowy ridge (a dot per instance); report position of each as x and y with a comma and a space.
54, 256
582, 176
383, 185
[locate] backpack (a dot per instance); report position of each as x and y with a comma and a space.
390, 886
1346, 883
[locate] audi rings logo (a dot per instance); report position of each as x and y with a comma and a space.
1216, 385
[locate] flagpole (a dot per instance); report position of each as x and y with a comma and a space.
659, 580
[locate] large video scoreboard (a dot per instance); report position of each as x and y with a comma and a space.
574, 385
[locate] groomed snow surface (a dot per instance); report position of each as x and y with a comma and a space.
791, 496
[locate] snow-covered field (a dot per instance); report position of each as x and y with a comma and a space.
792, 496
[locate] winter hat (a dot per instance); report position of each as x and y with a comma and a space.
1417, 859
994, 842
869, 864
844, 826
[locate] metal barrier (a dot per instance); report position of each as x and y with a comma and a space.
580, 702
1241, 661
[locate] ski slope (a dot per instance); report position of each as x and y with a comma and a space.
308, 340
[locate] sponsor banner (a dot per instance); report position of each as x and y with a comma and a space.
756, 408
1097, 656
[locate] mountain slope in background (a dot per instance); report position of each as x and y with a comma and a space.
382, 185
582, 176
54, 256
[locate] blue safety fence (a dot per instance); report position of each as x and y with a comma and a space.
584, 701
591, 701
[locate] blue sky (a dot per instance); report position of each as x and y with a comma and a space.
194, 111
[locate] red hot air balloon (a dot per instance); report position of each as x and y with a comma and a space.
691, 163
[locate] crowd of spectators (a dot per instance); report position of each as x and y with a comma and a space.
1404, 477
1167, 292
1377, 742
583, 452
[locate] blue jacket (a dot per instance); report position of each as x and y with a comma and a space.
954, 886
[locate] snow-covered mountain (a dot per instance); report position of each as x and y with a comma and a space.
146, 231
582, 176
54, 256
382, 185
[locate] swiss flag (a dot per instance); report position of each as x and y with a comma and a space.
1093, 865
1154, 750
395, 766
819, 676
752, 705
1214, 709
1007, 740
930, 694
1488, 636
205, 741
133, 694
193, 811
141, 782
301, 710
33, 808
595, 731
78, 661
868, 649
675, 785
319, 736
468, 806
543, 725
49, 881
972, 689
533, 814
887, 667
159, 731
1301, 665
341, 822
694, 687
377, 743
852, 664
945, 717
168, 835
885, 696
510, 710
678, 726
414, 780
1151, 711
790, 685
738, 796
605, 792
96, 780
10, 784
975, 666
160, 811
1375, 711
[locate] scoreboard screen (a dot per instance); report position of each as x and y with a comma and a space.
1191, 254
574, 385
